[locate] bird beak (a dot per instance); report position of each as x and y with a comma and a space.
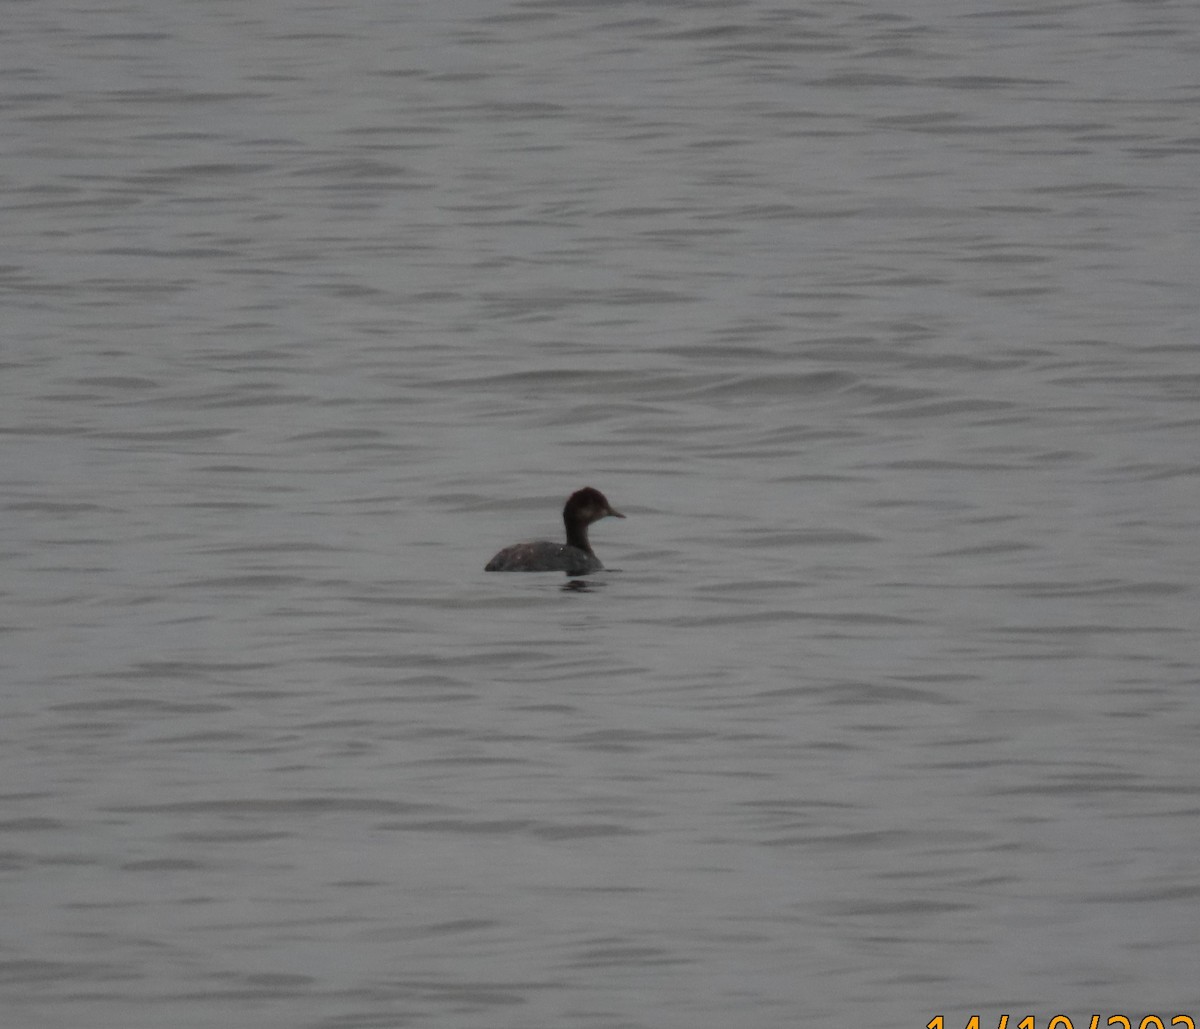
615, 513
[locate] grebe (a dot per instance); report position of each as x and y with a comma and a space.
575, 557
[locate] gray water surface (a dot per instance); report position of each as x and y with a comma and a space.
880, 324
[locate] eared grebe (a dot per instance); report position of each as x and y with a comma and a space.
574, 557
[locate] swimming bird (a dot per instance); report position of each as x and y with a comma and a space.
575, 557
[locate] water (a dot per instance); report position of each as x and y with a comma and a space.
880, 326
